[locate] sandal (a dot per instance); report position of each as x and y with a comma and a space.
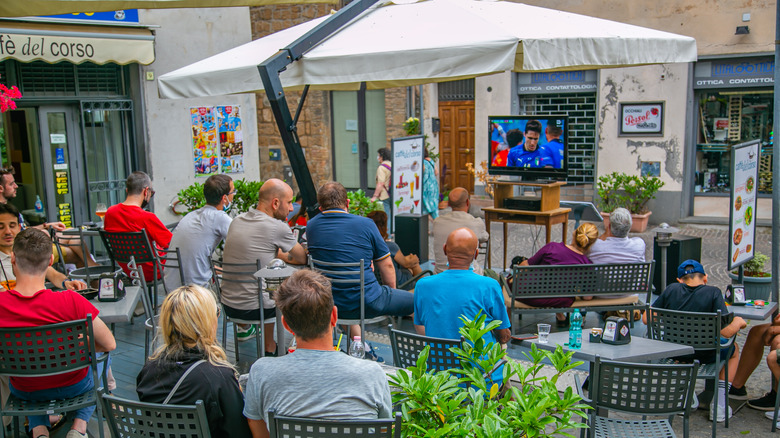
57, 424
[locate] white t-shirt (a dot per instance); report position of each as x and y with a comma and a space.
618, 250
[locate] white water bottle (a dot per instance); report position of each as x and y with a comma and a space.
357, 349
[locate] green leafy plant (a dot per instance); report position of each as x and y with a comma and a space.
191, 197
362, 205
756, 266
441, 404
628, 191
412, 127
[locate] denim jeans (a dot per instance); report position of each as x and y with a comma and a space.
60, 393
395, 302
387, 204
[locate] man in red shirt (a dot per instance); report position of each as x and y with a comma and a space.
131, 216
30, 304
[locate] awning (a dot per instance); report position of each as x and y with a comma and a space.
29, 8
53, 42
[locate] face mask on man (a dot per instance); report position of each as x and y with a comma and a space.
227, 206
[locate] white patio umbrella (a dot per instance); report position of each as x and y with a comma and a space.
417, 42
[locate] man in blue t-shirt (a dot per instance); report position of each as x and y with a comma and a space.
439, 301
339, 237
530, 153
554, 144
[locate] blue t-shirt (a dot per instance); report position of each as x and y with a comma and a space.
555, 149
519, 157
339, 237
440, 300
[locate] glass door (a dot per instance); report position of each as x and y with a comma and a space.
350, 164
59, 133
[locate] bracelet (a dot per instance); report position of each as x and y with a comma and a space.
63, 284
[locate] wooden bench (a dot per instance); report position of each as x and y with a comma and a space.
602, 282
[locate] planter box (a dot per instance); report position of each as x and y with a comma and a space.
638, 221
756, 288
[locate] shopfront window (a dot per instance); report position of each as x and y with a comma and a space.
726, 118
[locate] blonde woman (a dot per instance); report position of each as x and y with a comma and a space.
191, 355
557, 253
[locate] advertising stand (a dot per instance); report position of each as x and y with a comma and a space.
410, 225
742, 211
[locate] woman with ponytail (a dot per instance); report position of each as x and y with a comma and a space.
191, 356
557, 253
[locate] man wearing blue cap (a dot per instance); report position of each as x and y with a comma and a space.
691, 294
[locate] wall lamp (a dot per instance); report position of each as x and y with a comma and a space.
742, 30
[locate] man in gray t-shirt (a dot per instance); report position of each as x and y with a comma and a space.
199, 233
315, 381
260, 234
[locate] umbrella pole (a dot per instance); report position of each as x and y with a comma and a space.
776, 167
269, 73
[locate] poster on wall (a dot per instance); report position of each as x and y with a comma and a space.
407, 175
204, 140
231, 141
645, 119
742, 213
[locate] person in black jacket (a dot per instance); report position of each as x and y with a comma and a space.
188, 326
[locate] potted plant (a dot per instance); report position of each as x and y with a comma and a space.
191, 198
437, 404
360, 204
758, 282
630, 192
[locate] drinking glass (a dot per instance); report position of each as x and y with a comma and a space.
544, 332
100, 210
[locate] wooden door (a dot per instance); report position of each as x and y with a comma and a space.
456, 143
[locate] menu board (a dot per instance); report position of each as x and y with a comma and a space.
407, 175
742, 213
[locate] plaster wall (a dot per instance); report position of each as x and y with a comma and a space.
492, 97
186, 36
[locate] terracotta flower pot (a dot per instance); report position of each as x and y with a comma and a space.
638, 221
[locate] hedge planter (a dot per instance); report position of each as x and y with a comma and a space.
638, 221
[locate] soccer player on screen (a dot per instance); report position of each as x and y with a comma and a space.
530, 153
554, 144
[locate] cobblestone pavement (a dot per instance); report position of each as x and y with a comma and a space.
526, 239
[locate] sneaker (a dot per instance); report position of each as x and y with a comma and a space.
721, 413
738, 393
694, 404
245, 334
765, 403
771, 415
371, 355
73, 433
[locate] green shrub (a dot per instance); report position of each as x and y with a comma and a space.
435, 404
362, 205
628, 191
192, 197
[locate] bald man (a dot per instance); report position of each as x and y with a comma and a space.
449, 222
260, 233
440, 300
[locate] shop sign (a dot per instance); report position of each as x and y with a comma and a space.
641, 119
557, 82
121, 16
750, 72
742, 212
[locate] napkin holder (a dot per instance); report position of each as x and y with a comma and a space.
735, 295
111, 286
616, 331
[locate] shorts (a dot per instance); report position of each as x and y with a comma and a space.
707, 357
249, 315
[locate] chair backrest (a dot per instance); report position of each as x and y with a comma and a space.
698, 330
346, 273
296, 427
236, 273
643, 389
127, 419
123, 245
171, 259
137, 279
482, 251
48, 350
562, 280
407, 347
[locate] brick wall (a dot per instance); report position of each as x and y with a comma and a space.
581, 109
314, 123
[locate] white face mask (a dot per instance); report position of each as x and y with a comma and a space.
227, 206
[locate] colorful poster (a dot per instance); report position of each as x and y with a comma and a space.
742, 213
407, 175
231, 140
204, 140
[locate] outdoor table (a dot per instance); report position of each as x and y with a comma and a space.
752, 312
119, 311
638, 350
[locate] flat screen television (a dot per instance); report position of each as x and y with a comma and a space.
532, 147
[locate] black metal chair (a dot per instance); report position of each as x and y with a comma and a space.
121, 246
130, 419
296, 427
87, 273
45, 351
700, 331
349, 273
658, 390
407, 347
241, 273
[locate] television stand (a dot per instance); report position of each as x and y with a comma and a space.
548, 215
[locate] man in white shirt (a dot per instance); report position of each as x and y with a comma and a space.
446, 223
199, 233
614, 246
